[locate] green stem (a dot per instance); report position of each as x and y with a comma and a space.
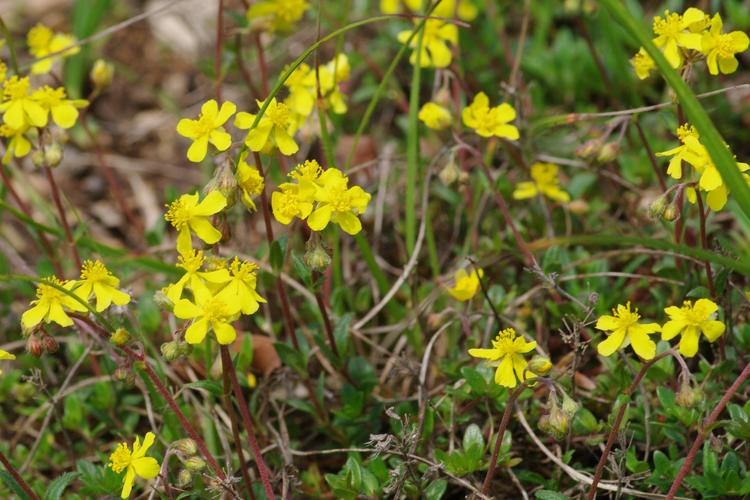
11, 48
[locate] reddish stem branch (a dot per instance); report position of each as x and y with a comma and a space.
705, 430
228, 367
618, 420
236, 435
650, 154
217, 53
704, 243
63, 218
499, 438
17, 477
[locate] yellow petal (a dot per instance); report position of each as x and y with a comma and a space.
196, 332
689, 342
146, 467
712, 329
225, 333
504, 374
612, 343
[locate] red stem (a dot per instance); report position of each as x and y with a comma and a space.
217, 53
499, 439
63, 218
228, 367
705, 430
18, 478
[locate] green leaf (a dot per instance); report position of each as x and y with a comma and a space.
211, 386
277, 254
473, 443
57, 487
435, 490
341, 333
549, 495
696, 115
13, 485
291, 357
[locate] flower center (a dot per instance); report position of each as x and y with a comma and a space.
48, 292
178, 214
94, 271
278, 114
725, 47
205, 124
121, 458
504, 342
670, 26
243, 270
191, 262
686, 131
311, 170
215, 310
49, 97
16, 88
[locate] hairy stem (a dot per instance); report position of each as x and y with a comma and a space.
499, 438
63, 218
17, 477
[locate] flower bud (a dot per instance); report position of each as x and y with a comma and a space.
37, 158
49, 344
688, 396
194, 464
540, 365
224, 182
101, 74
657, 207
34, 346
214, 263
578, 207
53, 155
589, 149
170, 350
186, 446
251, 380
161, 299
450, 172
608, 152
120, 337
558, 423
670, 213
569, 406
183, 349
184, 478
316, 257
124, 375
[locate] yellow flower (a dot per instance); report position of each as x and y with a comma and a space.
467, 11
19, 108
435, 116
186, 215
208, 311
276, 15
488, 122
673, 34
507, 354
50, 304
691, 151
18, 145
626, 330
241, 287
643, 64
274, 129
64, 111
545, 182
437, 36
338, 203
101, 73
96, 279
289, 203
5, 356
251, 183
192, 262
134, 463
3, 71
720, 48
42, 42
691, 320
207, 128
465, 285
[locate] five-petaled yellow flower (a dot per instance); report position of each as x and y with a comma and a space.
207, 128
64, 111
18, 145
720, 48
18, 107
465, 285
626, 330
276, 15
240, 288
43, 41
435, 116
98, 281
186, 215
6, 356
673, 34
437, 37
208, 312
545, 182
50, 304
192, 262
134, 463
691, 320
338, 203
275, 129
250, 182
292, 201
507, 355
489, 122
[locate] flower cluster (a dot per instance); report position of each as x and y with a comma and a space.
690, 320
54, 297
43, 43
304, 83
320, 197
692, 152
688, 37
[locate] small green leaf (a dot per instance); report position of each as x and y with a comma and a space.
276, 257
436, 489
549, 495
473, 443
211, 386
57, 487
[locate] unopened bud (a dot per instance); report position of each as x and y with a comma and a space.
124, 375
49, 344
540, 365
101, 73
184, 478
688, 396
450, 172
316, 257
161, 299
558, 423
170, 350
214, 263
569, 406
670, 213
194, 464
578, 207
120, 337
609, 152
186, 446
53, 155
224, 182
183, 349
34, 346
589, 149
657, 207
37, 158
